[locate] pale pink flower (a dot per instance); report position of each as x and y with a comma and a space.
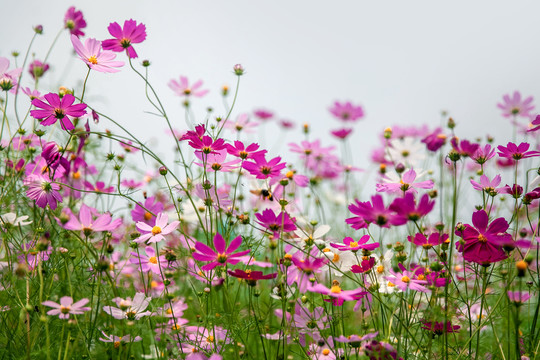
129, 309
152, 234
66, 307
94, 56
182, 87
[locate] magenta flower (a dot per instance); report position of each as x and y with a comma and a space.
346, 111
373, 212
241, 151
99, 187
74, 21
43, 191
366, 265
87, 224
350, 244
57, 109
342, 133
153, 234
276, 224
434, 239
93, 56
338, 293
535, 124
221, 256
488, 186
149, 261
464, 147
516, 152
482, 240
483, 154
124, 37
406, 184
438, 328
66, 307
435, 140
405, 280
37, 69
52, 154
263, 114
206, 144
152, 206
250, 276
515, 106
182, 88
263, 169
407, 208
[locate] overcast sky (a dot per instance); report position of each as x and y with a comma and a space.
403, 61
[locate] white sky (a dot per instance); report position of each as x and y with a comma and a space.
404, 61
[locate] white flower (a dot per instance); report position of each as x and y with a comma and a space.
407, 151
382, 267
11, 218
307, 237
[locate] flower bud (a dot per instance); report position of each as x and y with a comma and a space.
238, 69
522, 267
162, 170
38, 29
451, 123
146, 63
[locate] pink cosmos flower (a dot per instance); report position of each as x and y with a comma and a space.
276, 223
464, 147
117, 340
408, 209
373, 212
406, 184
129, 309
251, 277
52, 154
37, 69
346, 111
518, 297
516, 152
515, 106
151, 206
43, 191
263, 169
87, 224
337, 292
483, 154
350, 244
93, 56
99, 187
406, 280
66, 307
221, 256
434, 239
57, 108
535, 124
153, 234
488, 186
124, 37
438, 328
149, 261
481, 241
206, 144
305, 266
241, 151
74, 21
182, 87
132, 184
8, 79
342, 134
242, 123
435, 140
216, 161
31, 93
263, 115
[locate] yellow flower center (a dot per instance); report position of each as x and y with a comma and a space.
336, 257
391, 284
77, 175
405, 279
421, 277
482, 238
289, 174
92, 59
117, 344
169, 312
147, 216
153, 260
325, 352
210, 338
335, 289
380, 269
64, 309
156, 230
353, 244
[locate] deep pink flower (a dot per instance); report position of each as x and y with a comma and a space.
74, 21
483, 154
93, 56
406, 184
337, 292
43, 191
263, 169
464, 147
151, 206
346, 111
149, 261
482, 240
99, 187
243, 152
535, 124
350, 244
182, 88
488, 186
86, 223
276, 224
57, 108
66, 307
286, 124
341, 133
53, 156
365, 266
515, 106
263, 115
407, 208
435, 140
222, 255
206, 144
124, 37
152, 234
37, 69
251, 276
438, 328
434, 239
516, 152
373, 212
